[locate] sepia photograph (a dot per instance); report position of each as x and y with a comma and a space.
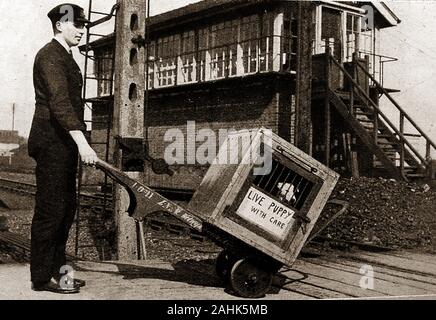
217, 155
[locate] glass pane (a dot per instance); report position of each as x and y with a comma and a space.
331, 31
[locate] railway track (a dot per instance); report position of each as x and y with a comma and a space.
96, 203
29, 189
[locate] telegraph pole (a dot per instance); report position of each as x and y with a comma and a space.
129, 98
13, 116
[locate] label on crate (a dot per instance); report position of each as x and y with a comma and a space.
266, 213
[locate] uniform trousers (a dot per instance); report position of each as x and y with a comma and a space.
54, 209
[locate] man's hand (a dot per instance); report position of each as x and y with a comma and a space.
87, 154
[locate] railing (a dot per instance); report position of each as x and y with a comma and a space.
405, 145
376, 61
377, 64
258, 55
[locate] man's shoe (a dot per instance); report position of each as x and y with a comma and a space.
77, 282
55, 287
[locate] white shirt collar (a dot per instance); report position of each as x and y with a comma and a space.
63, 43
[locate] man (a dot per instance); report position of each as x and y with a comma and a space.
55, 141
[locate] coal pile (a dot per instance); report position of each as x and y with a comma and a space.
385, 213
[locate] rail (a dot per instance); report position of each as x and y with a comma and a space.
30, 188
11, 239
256, 55
377, 60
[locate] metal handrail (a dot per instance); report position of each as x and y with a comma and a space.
381, 62
368, 53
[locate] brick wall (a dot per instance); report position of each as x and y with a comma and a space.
261, 101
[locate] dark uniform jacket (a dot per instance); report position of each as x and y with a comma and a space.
59, 107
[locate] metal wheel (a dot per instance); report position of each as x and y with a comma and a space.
250, 280
223, 264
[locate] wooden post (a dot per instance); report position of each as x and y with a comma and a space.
304, 130
376, 98
13, 116
128, 109
354, 74
327, 110
402, 144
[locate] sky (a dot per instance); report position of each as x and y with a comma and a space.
24, 29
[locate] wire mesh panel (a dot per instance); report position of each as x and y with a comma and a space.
285, 184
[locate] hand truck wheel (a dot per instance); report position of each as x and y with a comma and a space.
249, 280
223, 264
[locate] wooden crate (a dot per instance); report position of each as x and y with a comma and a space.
266, 211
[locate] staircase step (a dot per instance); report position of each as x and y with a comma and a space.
416, 175
412, 135
364, 108
385, 129
388, 143
389, 150
370, 132
387, 136
365, 120
345, 94
405, 160
407, 169
395, 136
363, 113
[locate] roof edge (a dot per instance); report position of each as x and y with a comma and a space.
386, 12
